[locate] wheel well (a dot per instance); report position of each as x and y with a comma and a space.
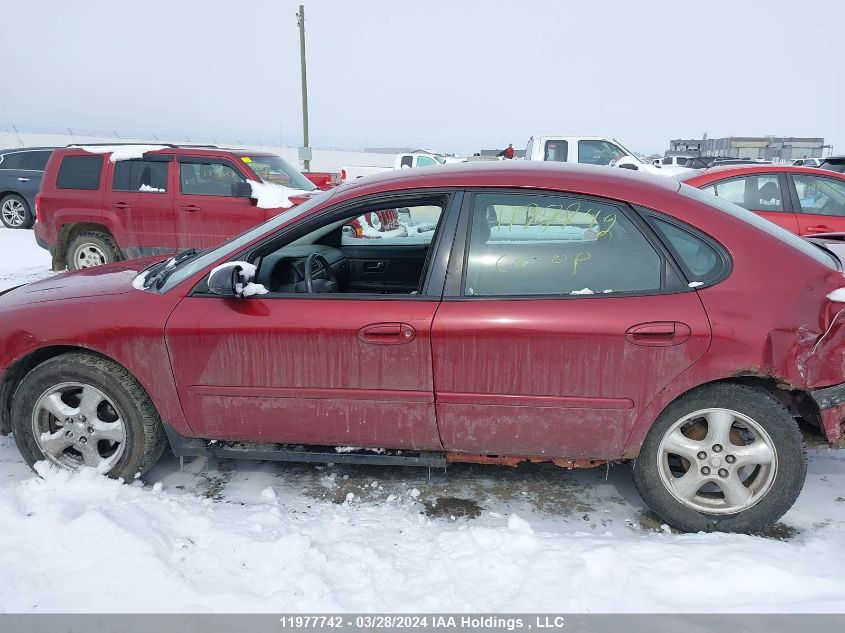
20, 368
797, 401
3, 194
67, 234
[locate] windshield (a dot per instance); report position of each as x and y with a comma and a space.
277, 170
181, 271
821, 256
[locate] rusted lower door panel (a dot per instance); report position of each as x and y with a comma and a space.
300, 371
558, 377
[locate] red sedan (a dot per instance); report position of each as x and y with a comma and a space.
802, 200
571, 314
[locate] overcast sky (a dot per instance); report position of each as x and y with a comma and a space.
443, 74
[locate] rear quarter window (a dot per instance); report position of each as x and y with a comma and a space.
80, 172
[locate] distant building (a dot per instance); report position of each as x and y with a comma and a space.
772, 148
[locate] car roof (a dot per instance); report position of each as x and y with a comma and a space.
10, 150
168, 148
719, 172
608, 182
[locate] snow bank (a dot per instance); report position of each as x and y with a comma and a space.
121, 152
155, 548
22, 259
837, 295
270, 195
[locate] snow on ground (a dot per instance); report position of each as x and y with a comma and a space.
232, 536
21, 259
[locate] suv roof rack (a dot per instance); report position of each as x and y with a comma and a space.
197, 146
118, 144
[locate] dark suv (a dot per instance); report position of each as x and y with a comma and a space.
100, 204
21, 170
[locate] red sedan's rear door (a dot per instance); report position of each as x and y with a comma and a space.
567, 323
822, 203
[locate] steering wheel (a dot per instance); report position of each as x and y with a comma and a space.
319, 285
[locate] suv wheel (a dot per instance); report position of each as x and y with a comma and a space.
91, 248
725, 457
15, 213
82, 410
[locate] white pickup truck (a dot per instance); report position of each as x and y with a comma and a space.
401, 161
590, 150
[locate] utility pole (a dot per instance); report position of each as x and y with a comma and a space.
305, 151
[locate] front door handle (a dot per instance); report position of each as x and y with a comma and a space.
387, 334
23, 179
190, 208
373, 267
658, 333
818, 228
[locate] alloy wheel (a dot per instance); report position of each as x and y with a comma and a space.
717, 461
14, 213
76, 424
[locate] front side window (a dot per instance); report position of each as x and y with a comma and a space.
278, 171
208, 179
533, 244
426, 161
823, 196
556, 151
38, 160
403, 226
140, 175
598, 152
80, 172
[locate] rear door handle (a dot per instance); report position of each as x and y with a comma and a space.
658, 333
387, 334
190, 208
818, 228
118, 205
23, 179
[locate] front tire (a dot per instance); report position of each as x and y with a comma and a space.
15, 212
91, 248
725, 457
78, 410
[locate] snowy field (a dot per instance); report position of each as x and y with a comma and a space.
247, 536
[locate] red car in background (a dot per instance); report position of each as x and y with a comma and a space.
562, 313
803, 200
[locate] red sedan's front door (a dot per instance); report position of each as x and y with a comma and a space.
322, 371
546, 349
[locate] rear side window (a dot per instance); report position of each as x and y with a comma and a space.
700, 260
556, 151
15, 160
554, 245
140, 175
80, 172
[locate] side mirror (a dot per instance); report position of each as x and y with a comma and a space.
626, 162
241, 190
234, 279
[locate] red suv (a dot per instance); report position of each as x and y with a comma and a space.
100, 204
533, 312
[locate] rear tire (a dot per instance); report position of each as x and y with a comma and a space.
725, 457
79, 409
15, 212
91, 248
